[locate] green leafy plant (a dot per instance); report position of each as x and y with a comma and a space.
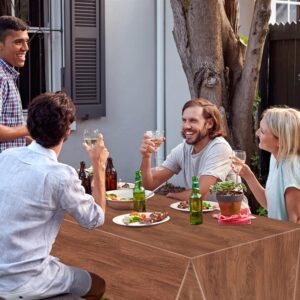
261, 211
228, 188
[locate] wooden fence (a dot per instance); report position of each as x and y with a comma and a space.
280, 72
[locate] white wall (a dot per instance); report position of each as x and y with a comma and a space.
130, 86
246, 10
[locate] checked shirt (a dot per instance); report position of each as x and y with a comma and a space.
11, 113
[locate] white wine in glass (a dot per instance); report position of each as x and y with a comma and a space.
90, 136
241, 155
156, 136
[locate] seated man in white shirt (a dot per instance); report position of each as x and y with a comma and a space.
204, 152
35, 192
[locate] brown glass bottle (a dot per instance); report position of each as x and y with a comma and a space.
85, 179
110, 175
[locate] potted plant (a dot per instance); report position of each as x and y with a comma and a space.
229, 195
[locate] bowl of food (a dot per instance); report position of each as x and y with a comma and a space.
123, 199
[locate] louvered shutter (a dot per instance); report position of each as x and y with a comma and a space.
84, 64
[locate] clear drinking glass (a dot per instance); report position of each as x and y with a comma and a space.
90, 136
241, 155
156, 137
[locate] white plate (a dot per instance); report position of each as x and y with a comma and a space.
120, 184
119, 220
214, 204
124, 204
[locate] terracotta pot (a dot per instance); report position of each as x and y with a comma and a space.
230, 204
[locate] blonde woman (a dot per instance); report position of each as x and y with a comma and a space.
279, 134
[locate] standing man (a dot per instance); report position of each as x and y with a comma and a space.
34, 196
13, 48
204, 152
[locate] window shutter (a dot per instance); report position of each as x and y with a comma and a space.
84, 74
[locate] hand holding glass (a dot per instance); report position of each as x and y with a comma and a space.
90, 136
241, 155
156, 136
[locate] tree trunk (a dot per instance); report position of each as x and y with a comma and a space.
232, 9
200, 50
242, 103
212, 56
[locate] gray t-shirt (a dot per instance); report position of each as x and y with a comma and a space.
213, 160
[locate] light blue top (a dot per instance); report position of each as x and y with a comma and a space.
280, 178
35, 192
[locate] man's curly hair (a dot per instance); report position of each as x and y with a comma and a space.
49, 118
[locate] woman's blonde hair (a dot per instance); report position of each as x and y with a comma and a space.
284, 124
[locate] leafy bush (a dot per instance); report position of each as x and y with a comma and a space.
261, 211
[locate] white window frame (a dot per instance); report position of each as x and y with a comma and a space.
54, 42
286, 2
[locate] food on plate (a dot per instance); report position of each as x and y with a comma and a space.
145, 218
183, 204
125, 185
205, 205
114, 197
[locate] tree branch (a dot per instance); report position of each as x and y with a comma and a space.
232, 9
245, 93
180, 35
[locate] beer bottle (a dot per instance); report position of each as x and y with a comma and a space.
196, 216
139, 203
110, 175
85, 179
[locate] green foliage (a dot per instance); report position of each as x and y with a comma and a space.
255, 160
244, 39
262, 211
228, 188
255, 164
256, 102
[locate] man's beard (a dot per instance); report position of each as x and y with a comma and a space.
201, 135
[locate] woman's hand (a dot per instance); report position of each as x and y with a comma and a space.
239, 167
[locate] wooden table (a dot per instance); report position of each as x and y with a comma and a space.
176, 260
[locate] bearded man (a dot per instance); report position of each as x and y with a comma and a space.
204, 152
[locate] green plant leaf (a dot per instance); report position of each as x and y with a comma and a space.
244, 39
228, 188
262, 211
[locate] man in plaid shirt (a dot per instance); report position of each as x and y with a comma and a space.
13, 48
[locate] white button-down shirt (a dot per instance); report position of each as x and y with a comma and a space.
35, 192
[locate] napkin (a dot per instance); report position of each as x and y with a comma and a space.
243, 218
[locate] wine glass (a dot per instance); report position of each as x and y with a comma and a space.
241, 155
156, 136
90, 136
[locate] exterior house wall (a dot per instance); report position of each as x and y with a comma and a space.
131, 73
130, 86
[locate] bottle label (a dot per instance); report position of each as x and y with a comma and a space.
139, 203
196, 216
